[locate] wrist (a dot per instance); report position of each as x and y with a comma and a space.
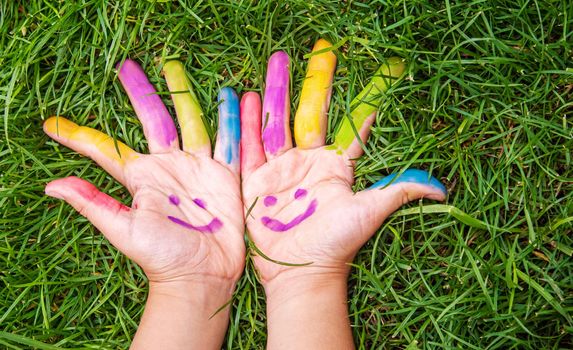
184, 315
296, 285
206, 296
310, 310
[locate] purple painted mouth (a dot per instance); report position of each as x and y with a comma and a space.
277, 226
211, 227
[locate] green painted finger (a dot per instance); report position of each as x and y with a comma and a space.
365, 105
193, 132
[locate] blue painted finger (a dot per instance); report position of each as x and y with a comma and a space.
229, 135
413, 176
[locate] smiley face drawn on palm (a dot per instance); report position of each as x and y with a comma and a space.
185, 220
299, 201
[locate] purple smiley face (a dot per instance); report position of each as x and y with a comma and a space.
277, 225
211, 227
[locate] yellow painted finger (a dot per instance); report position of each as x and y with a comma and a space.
189, 113
310, 120
109, 154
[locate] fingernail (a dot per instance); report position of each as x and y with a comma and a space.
52, 193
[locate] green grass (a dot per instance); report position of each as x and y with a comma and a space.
487, 107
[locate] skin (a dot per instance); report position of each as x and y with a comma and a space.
189, 113
306, 305
276, 107
310, 119
185, 225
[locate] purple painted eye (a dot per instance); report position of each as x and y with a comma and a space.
199, 203
300, 193
173, 199
270, 201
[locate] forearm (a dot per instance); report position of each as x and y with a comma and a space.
182, 316
308, 313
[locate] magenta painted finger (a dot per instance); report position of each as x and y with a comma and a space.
158, 125
276, 107
252, 152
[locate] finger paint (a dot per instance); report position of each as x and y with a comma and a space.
88, 137
278, 226
276, 105
310, 121
157, 124
86, 190
368, 101
229, 135
200, 203
189, 114
410, 176
270, 201
300, 193
173, 199
252, 152
213, 226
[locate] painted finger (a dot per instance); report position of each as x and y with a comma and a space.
189, 114
108, 215
110, 154
227, 147
310, 120
388, 194
364, 107
252, 152
276, 107
158, 125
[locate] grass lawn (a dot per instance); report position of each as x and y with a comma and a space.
486, 106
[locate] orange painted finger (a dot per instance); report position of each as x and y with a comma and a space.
108, 215
109, 154
310, 120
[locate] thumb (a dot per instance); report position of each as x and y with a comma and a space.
391, 192
108, 215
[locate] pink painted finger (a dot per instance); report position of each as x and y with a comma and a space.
158, 125
108, 215
252, 152
276, 107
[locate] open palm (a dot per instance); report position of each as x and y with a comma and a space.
185, 222
300, 204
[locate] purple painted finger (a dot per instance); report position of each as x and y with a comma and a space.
158, 126
276, 107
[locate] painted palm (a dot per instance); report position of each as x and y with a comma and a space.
299, 201
186, 221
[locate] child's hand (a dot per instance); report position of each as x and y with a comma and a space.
185, 226
300, 204
306, 211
